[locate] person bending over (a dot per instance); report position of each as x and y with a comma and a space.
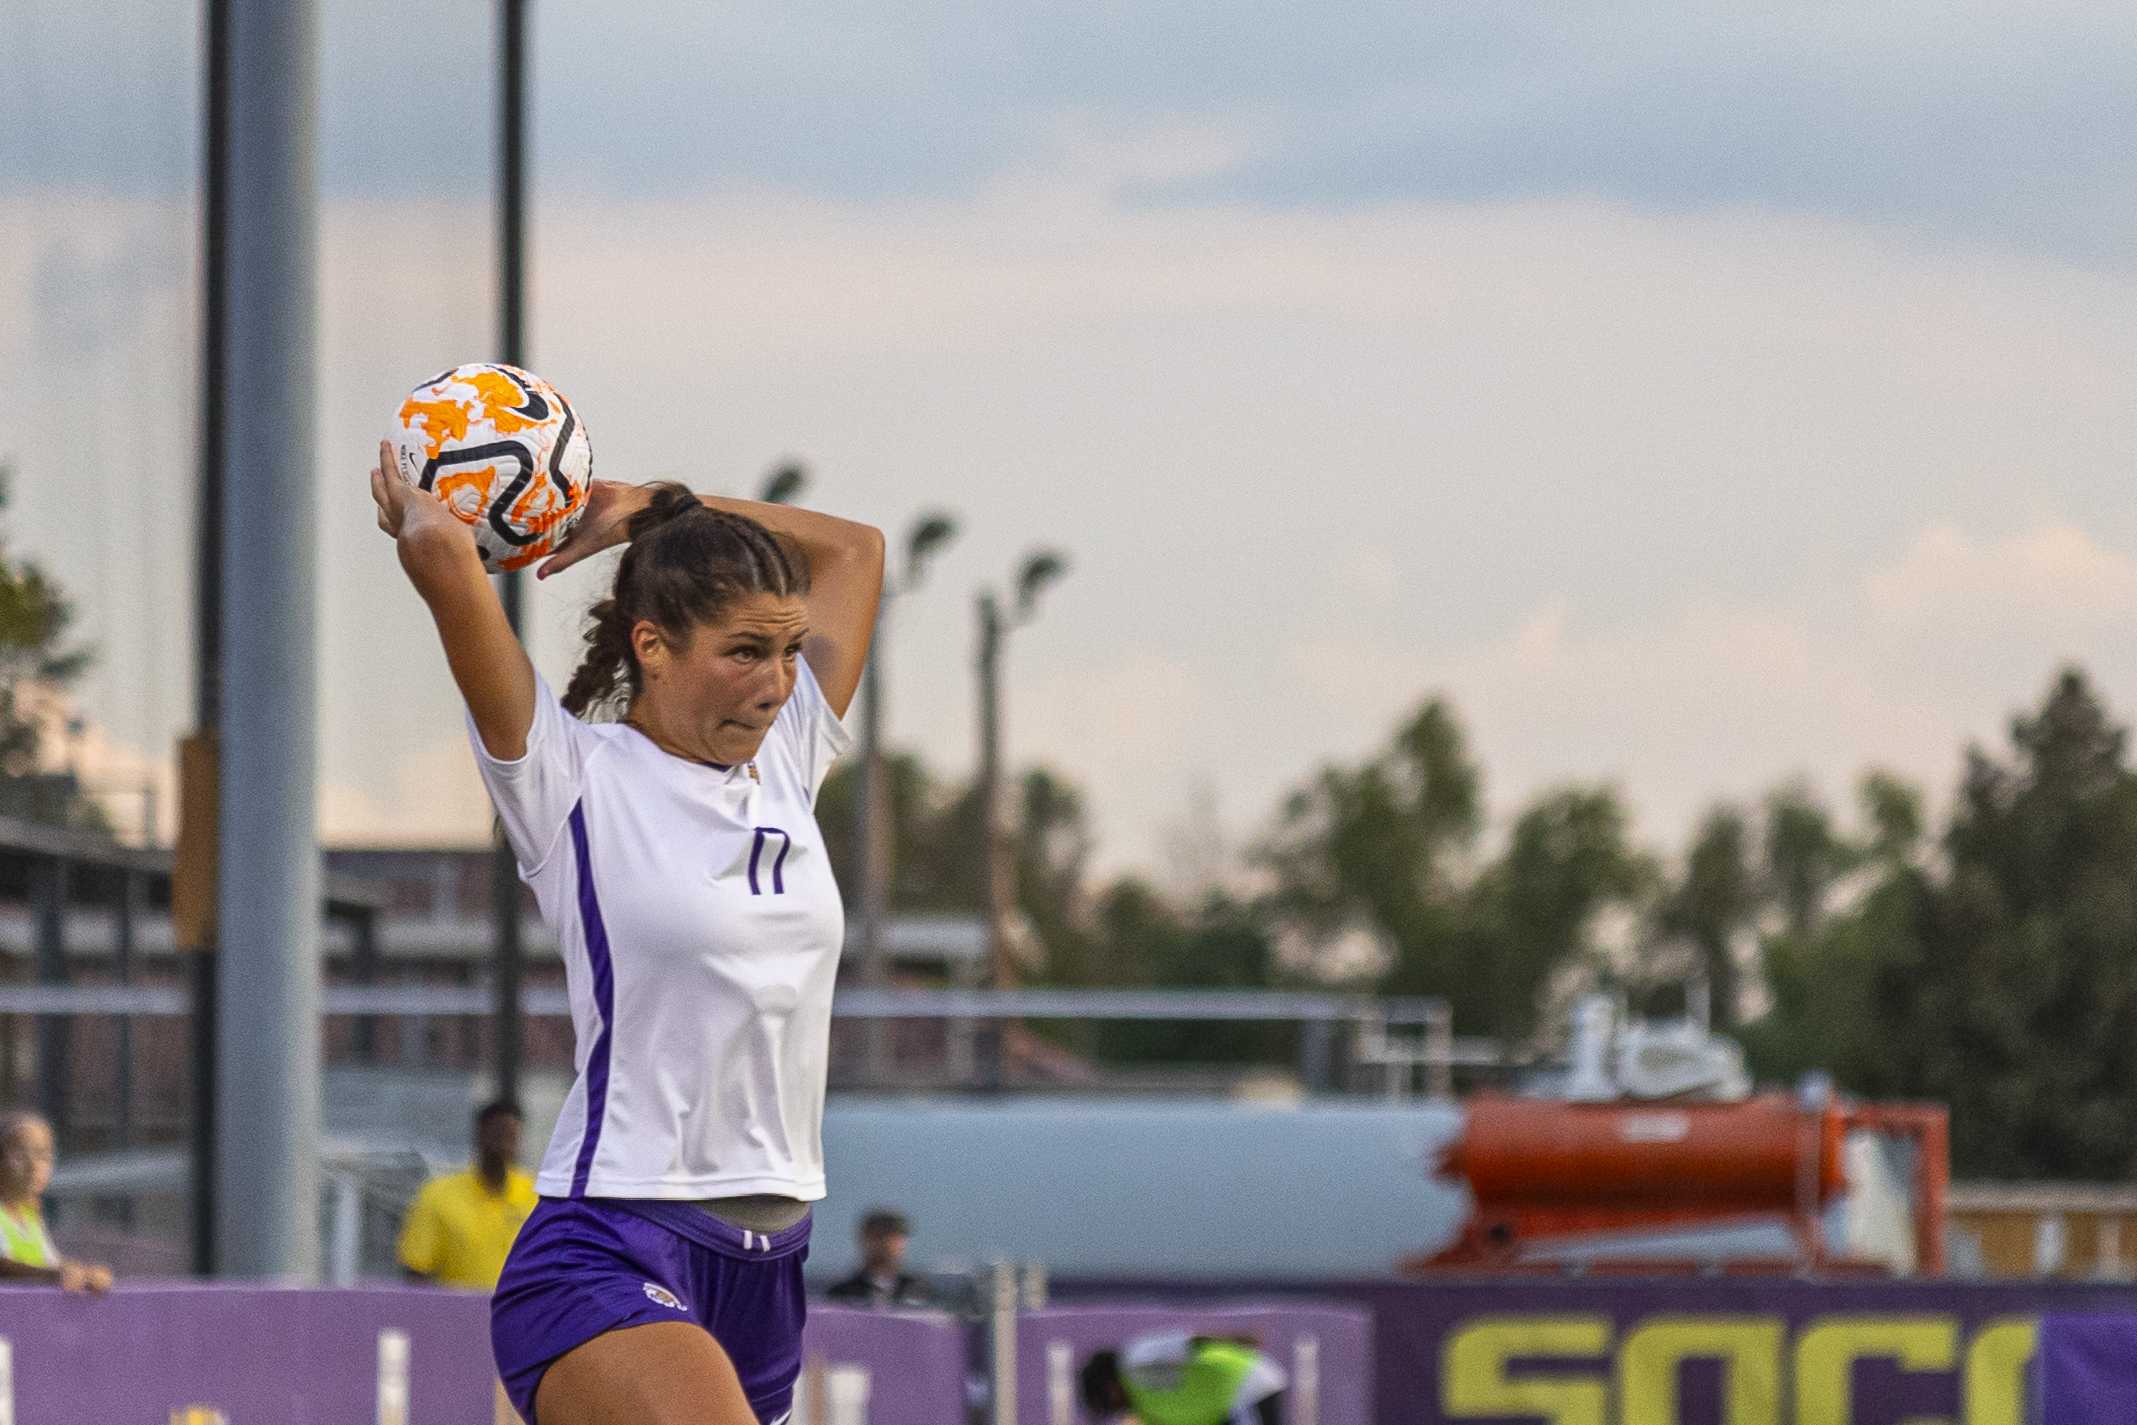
1172, 1378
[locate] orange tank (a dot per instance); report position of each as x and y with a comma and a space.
1750, 1157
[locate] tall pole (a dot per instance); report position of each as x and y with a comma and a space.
990, 790
874, 838
512, 346
992, 1052
267, 1176
207, 584
870, 848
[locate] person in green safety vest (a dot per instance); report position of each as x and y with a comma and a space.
1172, 1378
26, 1250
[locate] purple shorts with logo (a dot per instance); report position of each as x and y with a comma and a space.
585, 1266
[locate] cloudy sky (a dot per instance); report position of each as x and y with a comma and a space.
1695, 401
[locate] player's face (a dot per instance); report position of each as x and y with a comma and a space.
729, 680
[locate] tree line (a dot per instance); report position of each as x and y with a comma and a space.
1988, 962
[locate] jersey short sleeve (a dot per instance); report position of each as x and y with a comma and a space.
812, 733
421, 1233
535, 792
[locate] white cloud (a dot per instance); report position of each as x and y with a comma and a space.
1897, 668
1650, 499
2058, 571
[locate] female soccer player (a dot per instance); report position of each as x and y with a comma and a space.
675, 853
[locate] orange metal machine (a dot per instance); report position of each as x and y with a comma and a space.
1549, 1172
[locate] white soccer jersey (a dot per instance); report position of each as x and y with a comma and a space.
700, 929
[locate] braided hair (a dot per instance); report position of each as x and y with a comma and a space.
685, 563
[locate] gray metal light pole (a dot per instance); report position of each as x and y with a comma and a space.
207, 592
873, 842
267, 1062
992, 839
509, 954
1037, 571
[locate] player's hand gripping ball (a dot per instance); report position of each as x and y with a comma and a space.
504, 451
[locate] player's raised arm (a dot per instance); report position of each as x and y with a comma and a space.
845, 573
845, 585
438, 554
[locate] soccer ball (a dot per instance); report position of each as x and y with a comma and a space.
505, 452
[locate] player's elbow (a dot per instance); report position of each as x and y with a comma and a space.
863, 548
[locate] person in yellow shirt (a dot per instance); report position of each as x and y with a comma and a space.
26, 1250
461, 1226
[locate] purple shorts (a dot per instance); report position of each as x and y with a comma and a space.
585, 1266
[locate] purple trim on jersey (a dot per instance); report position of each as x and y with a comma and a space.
779, 866
604, 1002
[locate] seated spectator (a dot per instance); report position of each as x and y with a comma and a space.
882, 1280
26, 1250
1172, 1378
462, 1225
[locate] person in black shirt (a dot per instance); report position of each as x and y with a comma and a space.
882, 1280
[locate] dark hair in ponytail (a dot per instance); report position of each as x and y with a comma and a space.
685, 563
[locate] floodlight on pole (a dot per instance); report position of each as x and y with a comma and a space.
1039, 569
785, 484
930, 533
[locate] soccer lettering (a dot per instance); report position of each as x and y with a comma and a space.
1558, 1370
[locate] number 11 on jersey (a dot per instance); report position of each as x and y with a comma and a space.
779, 861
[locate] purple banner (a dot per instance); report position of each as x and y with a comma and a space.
1706, 1351
881, 1368
205, 1355
1326, 1350
2087, 1370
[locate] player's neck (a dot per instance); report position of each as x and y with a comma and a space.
651, 728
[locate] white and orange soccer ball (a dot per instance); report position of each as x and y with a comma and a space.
506, 453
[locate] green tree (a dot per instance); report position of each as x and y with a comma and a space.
934, 857
1840, 984
937, 852
1711, 907
2027, 1024
1531, 913
1804, 856
1391, 845
1050, 856
1892, 808
1143, 941
36, 665
1998, 977
1384, 844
